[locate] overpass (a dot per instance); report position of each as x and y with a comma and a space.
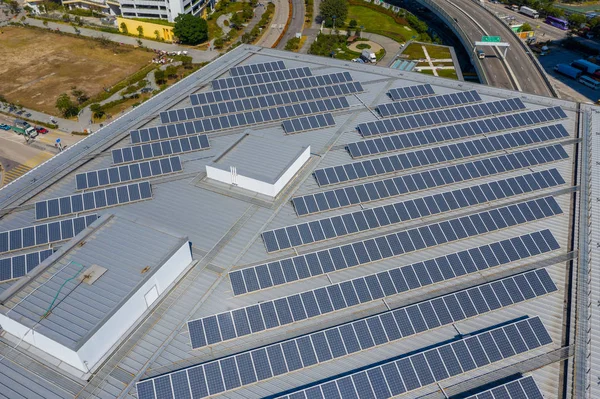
470, 21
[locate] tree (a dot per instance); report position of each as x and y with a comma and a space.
66, 106
124, 28
79, 95
186, 61
159, 76
219, 42
352, 24
416, 23
576, 20
236, 20
140, 30
526, 27
334, 8
190, 29
171, 72
157, 34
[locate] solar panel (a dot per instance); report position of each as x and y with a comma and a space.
307, 123
92, 200
373, 287
218, 96
428, 103
392, 187
353, 336
431, 366
523, 388
395, 244
43, 234
126, 173
260, 102
258, 78
397, 162
444, 116
18, 266
256, 68
233, 121
400, 212
162, 149
402, 93
460, 131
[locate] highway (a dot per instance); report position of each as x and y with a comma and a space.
476, 22
296, 22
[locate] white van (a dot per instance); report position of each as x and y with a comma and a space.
589, 82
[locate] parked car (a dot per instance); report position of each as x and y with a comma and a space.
146, 90
21, 112
4, 126
28, 115
41, 130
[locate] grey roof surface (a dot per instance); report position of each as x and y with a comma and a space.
259, 157
225, 226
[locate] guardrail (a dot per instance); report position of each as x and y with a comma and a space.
464, 38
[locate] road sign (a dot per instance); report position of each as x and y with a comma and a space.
57, 141
492, 39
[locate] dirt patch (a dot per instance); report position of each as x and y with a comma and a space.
39, 65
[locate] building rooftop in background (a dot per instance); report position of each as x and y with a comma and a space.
429, 244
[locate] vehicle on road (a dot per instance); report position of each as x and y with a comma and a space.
22, 123
589, 82
41, 130
21, 112
557, 23
514, 7
568, 70
29, 132
368, 56
146, 90
28, 115
481, 54
530, 12
4, 126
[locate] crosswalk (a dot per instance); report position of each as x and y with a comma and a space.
14, 174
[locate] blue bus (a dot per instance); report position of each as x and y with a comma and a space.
557, 23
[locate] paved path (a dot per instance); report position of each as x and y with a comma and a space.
273, 31
197, 55
375, 47
391, 46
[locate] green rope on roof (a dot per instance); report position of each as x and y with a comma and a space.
61, 287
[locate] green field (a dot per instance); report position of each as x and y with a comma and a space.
379, 23
414, 51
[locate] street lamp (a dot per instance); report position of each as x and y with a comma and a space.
333, 22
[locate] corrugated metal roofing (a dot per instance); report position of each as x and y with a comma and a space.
224, 226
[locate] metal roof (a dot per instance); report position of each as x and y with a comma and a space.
225, 226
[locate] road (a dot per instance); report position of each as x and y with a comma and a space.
542, 30
477, 22
269, 38
296, 24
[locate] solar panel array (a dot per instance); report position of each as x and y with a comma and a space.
388, 215
394, 244
411, 122
402, 93
523, 388
92, 200
387, 188
428, 103
209, 125
433, 155
42, 234
254, 103
162, 149
457, 131
218, 96
18, 266
256, 68
258, 78
434, 365
306, 123
307, 350
126, 173
361, 290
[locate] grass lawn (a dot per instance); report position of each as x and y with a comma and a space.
415, 51
447, 73
381, 24
42, 65
214, 30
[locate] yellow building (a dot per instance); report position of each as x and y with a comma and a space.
149, 29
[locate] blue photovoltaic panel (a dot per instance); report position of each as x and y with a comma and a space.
403, 93
451, 115
260, 102
157, 150
306, 123
523, 388
20, 265
428, 103
126, 173
395, 244
43, 234
251, 69
430, 366
92, 200
336, 342
455, 131
387, 188
218, 96
400, 212
233, 121
433, 155
258, 78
